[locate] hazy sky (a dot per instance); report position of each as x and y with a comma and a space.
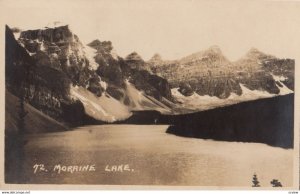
173, 28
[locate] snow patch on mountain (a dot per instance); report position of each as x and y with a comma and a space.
206, 102
282, 87
195, 101
103, 84
17, 35
140, 101
43, 46
248, 94
104, 108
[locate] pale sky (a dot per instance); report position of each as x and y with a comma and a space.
172, 28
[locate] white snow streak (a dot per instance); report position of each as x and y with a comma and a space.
206, 102
105, 108
140, 101
17, 35
103, 84
283, 89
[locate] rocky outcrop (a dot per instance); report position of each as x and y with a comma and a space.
185, 89
60, 49
135, 61
101, 47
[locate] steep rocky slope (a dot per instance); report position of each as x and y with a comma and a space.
65, 79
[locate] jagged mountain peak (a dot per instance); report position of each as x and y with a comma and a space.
155, 59
254, 53
56, 34
96, 42
214, 49
213, 53
134, 56
101, 46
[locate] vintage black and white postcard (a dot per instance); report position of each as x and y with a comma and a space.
150, 94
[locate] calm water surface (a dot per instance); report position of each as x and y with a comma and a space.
154, 158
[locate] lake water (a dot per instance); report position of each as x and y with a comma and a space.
154, 158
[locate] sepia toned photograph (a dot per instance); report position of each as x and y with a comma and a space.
150, 93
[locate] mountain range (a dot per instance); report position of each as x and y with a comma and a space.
210, 73
76, 83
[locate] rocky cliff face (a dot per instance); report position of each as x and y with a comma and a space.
115, 71
210, 73
59, 62
60, 49
34, 78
